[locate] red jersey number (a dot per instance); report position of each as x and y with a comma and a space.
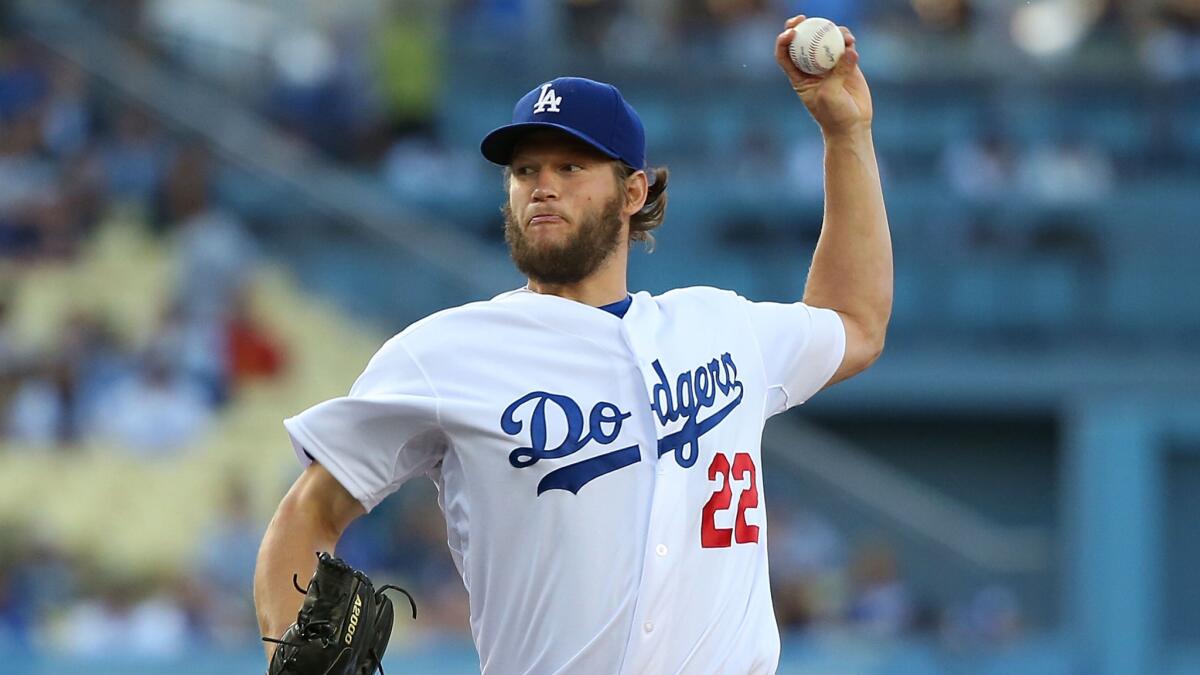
742, 532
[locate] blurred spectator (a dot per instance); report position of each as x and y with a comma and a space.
419, 166
27, 183
67, 120
97, 356
37, 578
1170, 39
806, 542
23, 81
805, 167
17, 619
48, 574
45, 409
47, 183
503, 23
587, 22
214, 253
225, 569
218, 39
317, 94
134, 157
253, 351
882, 606
1068, 171
126, 617
942, 15
230, 546
155, 411
25, 175
214, 259
81, 193
808, 560
989, 618
408, 66
745, 32
197, 347
982, 169
641, 33
425, 559
12, 356
759, 158
56, 399
56, 230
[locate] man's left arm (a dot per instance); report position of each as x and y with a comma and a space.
852, 266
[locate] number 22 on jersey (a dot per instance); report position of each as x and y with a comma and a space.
742, 532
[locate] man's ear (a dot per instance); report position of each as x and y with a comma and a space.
637, 187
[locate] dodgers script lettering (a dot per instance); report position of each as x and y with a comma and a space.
691, 393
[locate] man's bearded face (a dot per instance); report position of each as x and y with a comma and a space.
569, 256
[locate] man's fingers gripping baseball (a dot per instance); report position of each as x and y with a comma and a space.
784, 58
850, 58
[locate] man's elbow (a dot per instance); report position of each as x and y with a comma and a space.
864, 345
874, 351
875, 330
866, 354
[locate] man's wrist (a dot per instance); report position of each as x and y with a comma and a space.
853, 136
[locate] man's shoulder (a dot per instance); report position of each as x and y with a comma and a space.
478, 320
459, 318
703, 295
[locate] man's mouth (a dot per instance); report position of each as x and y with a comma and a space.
545, 219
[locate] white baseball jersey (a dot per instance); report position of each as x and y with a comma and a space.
600, 476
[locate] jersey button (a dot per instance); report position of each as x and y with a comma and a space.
661, 550
648, 627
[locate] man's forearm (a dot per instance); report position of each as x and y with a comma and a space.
852, 266
288, 547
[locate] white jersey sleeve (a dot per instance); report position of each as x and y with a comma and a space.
384, 432
801, 347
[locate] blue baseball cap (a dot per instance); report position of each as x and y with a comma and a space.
593, 112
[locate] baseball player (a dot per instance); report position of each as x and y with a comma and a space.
596, 452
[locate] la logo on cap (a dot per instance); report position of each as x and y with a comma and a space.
547, 101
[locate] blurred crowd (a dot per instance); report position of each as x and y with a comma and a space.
53, 600
365, 80
366, 84
67, 162
823, 580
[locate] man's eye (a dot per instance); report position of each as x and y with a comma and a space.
573, 168
523, 170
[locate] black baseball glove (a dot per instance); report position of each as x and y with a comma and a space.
343, 627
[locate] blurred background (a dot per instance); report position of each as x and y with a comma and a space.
212, 212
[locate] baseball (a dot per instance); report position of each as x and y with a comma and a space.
817, 45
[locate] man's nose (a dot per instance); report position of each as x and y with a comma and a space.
545, 188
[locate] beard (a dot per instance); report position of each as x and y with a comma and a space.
569, 261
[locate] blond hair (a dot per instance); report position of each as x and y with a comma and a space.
642, 223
